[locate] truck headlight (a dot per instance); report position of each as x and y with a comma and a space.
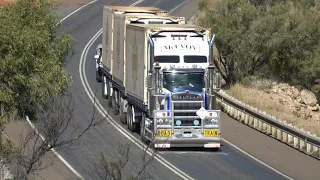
164, 121
211, 121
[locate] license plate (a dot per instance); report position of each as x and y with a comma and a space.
211, 132
164, 133
187, 135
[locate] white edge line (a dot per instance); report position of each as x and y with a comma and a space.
76, 11
259, 161
54, 151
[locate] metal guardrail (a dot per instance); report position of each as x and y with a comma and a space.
287, 133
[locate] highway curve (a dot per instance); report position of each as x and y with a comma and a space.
229, 163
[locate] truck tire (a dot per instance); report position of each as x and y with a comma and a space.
104, 87
142, 129
98, 76
110, 100
133, 127
114, 104
123, 116
129, 118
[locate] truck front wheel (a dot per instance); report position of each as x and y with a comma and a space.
142, 128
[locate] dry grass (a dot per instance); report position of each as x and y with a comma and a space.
264, 101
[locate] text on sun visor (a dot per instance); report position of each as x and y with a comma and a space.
183, 47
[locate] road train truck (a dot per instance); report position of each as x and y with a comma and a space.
163, 84
115, 19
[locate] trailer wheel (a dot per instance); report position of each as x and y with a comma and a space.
123, 116
129, 117
109, 94
113, 99
135, 126
98, 76
104, 88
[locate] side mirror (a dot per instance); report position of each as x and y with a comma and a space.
96, 56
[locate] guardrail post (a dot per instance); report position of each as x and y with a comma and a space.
295, 140
290, 137
273, 129
238, 115
302, 142
284, 134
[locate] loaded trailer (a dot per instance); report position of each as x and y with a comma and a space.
115, 19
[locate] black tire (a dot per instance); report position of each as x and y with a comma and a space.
114, 104
123, 116
110, 101
103, 89
129, 119
98, 76
142, 129
135, 127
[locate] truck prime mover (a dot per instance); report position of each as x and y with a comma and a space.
162, 84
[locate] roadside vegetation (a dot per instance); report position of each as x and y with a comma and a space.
34, 82
273, 41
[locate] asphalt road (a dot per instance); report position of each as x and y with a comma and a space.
229, 163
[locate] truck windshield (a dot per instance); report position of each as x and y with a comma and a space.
195, 59
167, 59
183, 80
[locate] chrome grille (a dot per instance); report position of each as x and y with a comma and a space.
186, 106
